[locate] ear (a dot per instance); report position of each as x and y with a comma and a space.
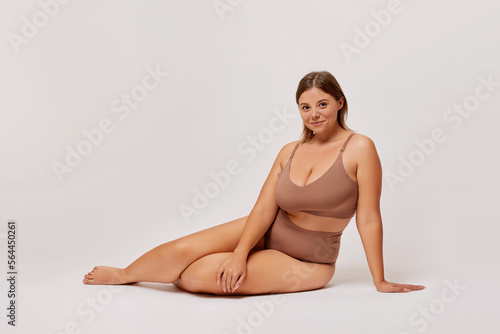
341, 102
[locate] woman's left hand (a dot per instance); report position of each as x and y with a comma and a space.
385, 286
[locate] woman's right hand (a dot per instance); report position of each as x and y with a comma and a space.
232, 272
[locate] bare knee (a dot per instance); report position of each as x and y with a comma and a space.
192, 284
201, 275
180, 248
195, 281
186, 283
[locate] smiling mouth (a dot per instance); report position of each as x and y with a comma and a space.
316, 123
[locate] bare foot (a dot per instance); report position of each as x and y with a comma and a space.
105, 275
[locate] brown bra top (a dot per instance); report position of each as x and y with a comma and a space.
333, 195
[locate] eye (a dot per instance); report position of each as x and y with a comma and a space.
322, 103
304, 107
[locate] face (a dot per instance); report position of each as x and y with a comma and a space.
319, 110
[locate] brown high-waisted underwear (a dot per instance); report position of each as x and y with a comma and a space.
306, 245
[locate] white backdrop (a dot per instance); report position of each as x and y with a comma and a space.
116, 115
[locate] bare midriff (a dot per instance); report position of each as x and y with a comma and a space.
318, 223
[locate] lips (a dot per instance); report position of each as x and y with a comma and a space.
317, 123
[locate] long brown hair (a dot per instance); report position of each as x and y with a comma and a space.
326, 82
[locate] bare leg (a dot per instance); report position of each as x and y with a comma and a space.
166, 262
268, 271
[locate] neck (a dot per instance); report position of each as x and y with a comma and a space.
327, 137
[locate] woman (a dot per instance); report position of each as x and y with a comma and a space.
290, 241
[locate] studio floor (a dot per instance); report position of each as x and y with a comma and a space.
348, 304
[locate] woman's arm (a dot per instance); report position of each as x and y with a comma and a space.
264, 210
232, 273
368, 216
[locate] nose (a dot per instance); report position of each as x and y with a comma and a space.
315, 113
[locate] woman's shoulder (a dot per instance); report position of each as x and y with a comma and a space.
361, 142
362, 148
290, 146
287, 149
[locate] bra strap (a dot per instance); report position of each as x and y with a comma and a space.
345, 144
293, 152
341, 150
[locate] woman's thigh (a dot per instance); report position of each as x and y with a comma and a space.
268, 271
